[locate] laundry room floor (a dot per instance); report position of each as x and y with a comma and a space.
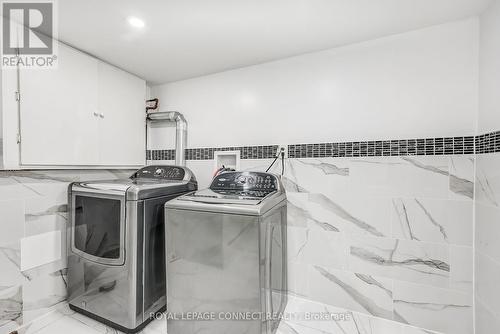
65, 320
303, 317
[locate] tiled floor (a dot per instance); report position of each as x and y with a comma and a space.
63, 320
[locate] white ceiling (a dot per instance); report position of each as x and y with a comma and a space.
189, 38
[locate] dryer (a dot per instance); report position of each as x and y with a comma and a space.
226, 256
116, 245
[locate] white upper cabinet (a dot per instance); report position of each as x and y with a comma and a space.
83, 113
57, 107
122, 119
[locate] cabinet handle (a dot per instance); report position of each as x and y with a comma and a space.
96, 114
101, 115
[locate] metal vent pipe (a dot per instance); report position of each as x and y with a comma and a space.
180, 132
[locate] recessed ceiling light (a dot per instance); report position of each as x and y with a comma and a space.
136, 22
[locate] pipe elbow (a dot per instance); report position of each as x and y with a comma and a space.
181, 132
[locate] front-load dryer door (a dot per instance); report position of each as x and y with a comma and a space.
98, 227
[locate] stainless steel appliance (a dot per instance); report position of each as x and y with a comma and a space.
116, 253
226, 256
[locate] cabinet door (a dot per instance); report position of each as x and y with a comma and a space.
58, 125
122, 117
9, 119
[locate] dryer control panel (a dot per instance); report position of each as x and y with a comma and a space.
245, 183
160, 172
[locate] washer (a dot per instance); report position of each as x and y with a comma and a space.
116, 239
226, 256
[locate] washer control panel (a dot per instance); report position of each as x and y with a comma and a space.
160, 172
245, 183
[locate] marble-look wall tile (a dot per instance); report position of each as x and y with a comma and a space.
11, 305
12, 220
326, 176
330, 201
354, 198
487, 184
415, 176
421, 177
317, 247
356, 215
40, 176
488, 230
487, 247
462, 176
10, 260
65, 175
341, 321
306, 316
300, 214
487, 272
357, 292
317, 316
433, 220
371, 176
486, 322
12, 189
406, 260
53, 192
45, 214
298, 279
487, 189
488, 164
41, 294
407, 219
45, 269
433, 308
461, 268
48, 185
33, 203
40, 249
371, 255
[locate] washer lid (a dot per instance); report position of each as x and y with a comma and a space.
235, 192
112, 187
148, 182
226, 197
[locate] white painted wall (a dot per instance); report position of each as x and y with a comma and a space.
418, 84
489, 60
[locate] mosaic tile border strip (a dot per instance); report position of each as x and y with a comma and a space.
160, 155
487, 143
246, 152
380, 148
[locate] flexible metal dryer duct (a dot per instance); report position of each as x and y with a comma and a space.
180, 132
